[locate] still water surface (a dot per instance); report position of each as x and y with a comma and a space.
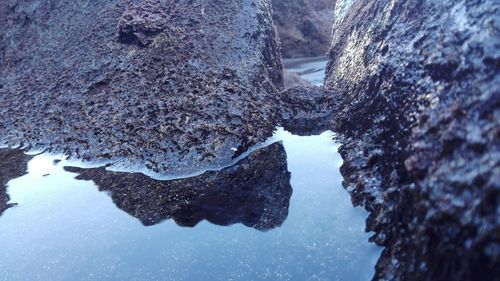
65, 229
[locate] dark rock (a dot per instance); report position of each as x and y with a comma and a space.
13, 164
171, 85
306, 110
418, 111
304, 26
141, 22
255, 192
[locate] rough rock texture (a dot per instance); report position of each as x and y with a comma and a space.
173, 85
307, 110
418, 88
255, 191
304, 26
13, 164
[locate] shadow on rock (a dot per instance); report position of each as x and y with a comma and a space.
255, 191
13, 164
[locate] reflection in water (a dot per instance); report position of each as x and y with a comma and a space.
255, 191
64, 229
13, 164
310, 112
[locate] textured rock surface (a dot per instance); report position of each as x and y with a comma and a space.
418, 109
304, 26
13, 164
172, 85
255, 191
307, 110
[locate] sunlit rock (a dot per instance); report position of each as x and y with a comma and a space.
418, 100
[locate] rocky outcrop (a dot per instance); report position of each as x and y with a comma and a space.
13, 164
255, 191
307, 110
419, 116
304, 26
175, 86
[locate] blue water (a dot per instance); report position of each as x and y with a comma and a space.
65, 229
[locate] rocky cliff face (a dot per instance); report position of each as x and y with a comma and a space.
304, 26
173, 85
418, 110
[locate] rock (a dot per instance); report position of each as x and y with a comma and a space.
292, 79
306, 110
13, 164
255, 191
417, 86
304, 26
141, 23
170, 85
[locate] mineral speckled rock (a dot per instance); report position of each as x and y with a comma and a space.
175, 86
13, 164
304, 26
142, 21
418, 110
255, 191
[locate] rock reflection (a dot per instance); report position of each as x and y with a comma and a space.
255, 191
13, 164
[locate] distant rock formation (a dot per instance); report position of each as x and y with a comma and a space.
307, 110
175, 86
13, 164
304, 26
255, 191
418, 109
292, 79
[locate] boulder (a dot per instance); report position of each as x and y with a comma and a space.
418, 111
307, 110
176, 86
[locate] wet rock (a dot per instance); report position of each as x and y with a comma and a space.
13, 164
170, 85
304, 26
418, 110
306, 110
255, 191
